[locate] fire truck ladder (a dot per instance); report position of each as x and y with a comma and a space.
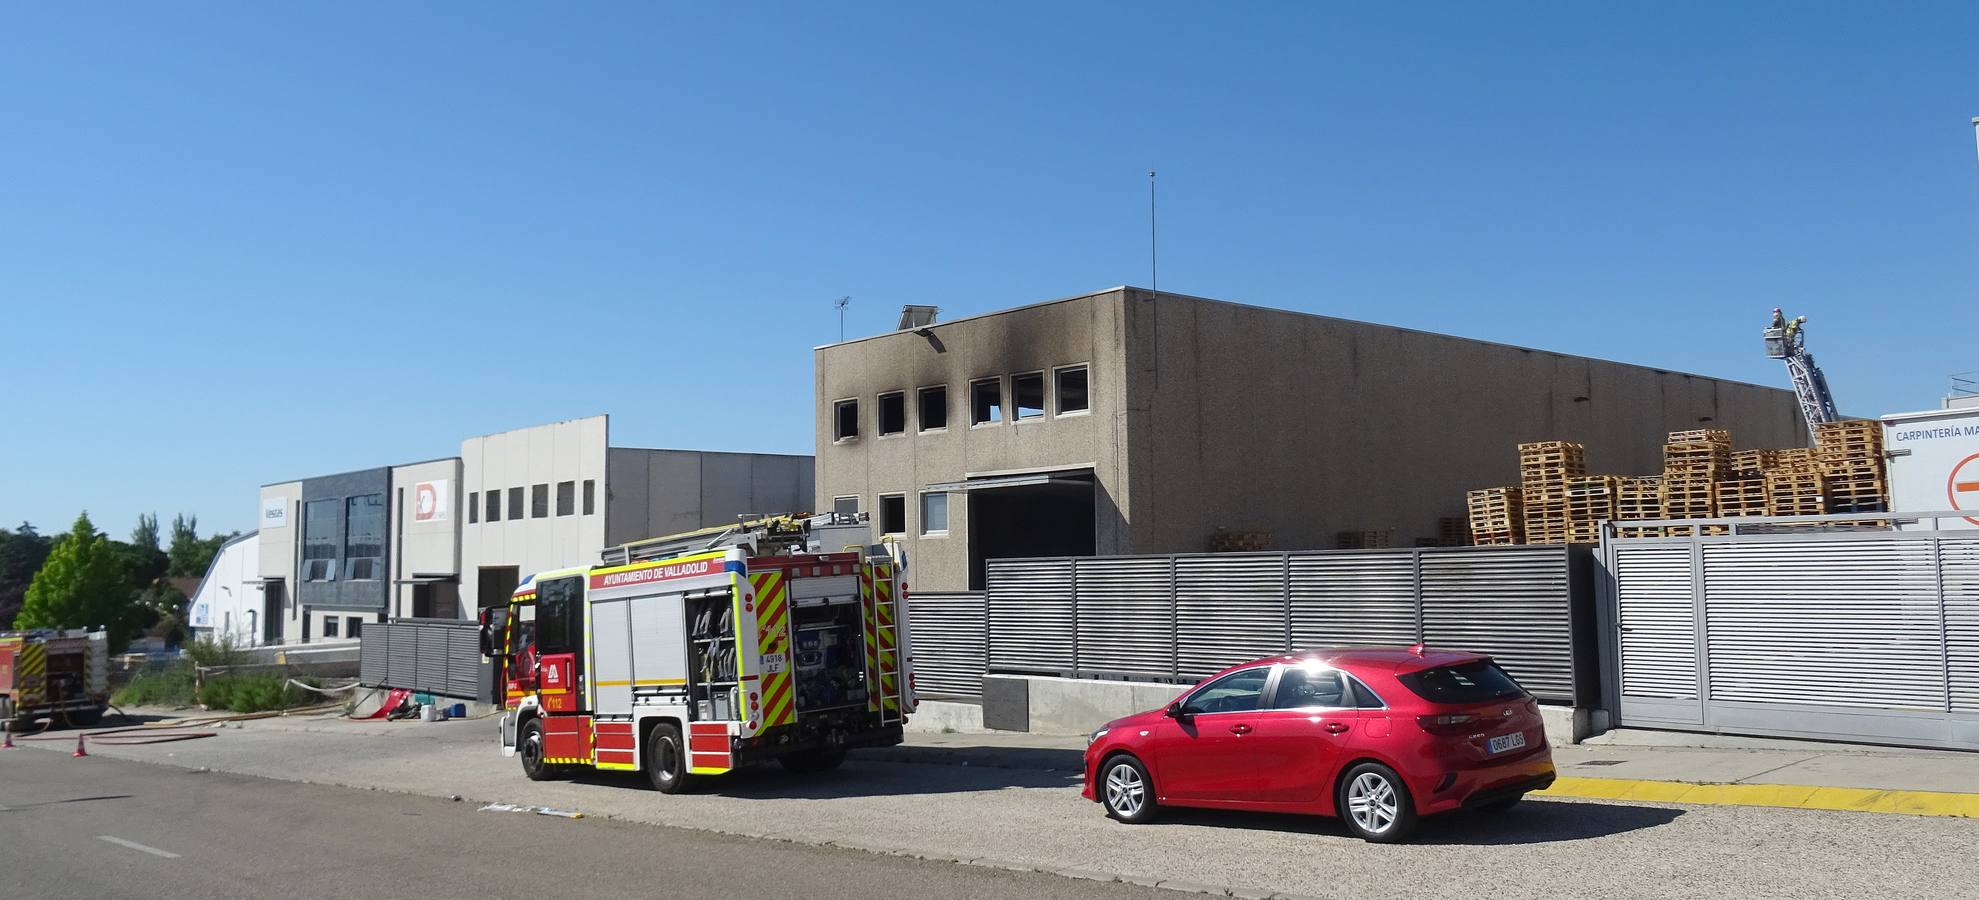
769, 535
1787, 340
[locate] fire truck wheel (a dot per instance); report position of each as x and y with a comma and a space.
666, 760
530, 747
810, 761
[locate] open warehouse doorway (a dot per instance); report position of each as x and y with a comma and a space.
1032, 515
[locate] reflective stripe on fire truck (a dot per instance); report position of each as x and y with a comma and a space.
613, 746
708, 748
888, 638
30, 672
870, 618
779, 698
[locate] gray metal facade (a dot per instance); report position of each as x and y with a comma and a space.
339, 591
434, 656
1862, 636
950, 640
1180, 618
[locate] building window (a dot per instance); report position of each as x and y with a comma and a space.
473, 507
934, 407
514, 503
1072, 394
934, 512
319, 540
893, 413
986, 401
329, 626
1028, 392
893, 513
566, 498
364, 537
539, 502
494, 506
590, 496
353, 627
845, 420
845, 506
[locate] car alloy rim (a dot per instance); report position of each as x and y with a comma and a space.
1125, 791
1371, 801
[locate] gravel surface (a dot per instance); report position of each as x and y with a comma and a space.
1544, 848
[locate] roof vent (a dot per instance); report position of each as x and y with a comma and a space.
912, 316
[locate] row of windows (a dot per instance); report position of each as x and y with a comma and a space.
362, 534
489, 505
990, 403
891, 517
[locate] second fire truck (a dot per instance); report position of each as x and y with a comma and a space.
691, 656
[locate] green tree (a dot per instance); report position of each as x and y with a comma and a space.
82, 584
145, 535
188, 553
22, 552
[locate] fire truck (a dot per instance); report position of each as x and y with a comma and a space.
59, 675
690, 656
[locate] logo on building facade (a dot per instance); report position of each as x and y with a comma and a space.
275, 512
429, 501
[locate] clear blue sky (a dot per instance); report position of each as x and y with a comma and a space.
483, 216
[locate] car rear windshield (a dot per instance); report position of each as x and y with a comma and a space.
1472, 682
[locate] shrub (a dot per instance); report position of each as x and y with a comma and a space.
253, 692
208, 653
165, 687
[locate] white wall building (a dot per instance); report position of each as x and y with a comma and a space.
230, 600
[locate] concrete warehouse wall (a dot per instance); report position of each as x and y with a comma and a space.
425, 548
279, 537
1305, 426
661, 492
545, 454
1086, 329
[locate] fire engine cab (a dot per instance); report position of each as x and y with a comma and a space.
690, 656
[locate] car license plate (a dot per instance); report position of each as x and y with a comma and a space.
1505, 742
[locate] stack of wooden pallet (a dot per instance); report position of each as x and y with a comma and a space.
1742, 497
1497, 515
1591, 500
1451, 532
1850, 453
1363, 540
1239, 541
1545, 467
1754, 463
1638, 499
1693, 461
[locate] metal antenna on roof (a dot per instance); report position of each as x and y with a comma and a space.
1154, 268
841, 303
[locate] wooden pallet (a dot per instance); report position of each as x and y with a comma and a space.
1452, 531
1239, 541
1689, 499
1857, 494
1545, 466
1491, 538
1701, 436
1545, 519
1496, 511
1795, 458
1754, 463
1590, 501
1742, 497
1639, 531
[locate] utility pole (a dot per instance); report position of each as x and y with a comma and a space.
841, 303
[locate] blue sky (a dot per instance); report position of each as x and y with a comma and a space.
485, 216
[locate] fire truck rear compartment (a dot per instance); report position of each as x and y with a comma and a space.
828, 658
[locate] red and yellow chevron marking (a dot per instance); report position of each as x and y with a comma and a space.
30, 672
773, 637
888, 637
869, 612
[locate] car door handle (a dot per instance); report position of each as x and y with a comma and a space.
1336, 727
1240, 729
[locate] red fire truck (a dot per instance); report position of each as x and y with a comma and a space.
690, 656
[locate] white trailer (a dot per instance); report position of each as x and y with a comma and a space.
1934, 463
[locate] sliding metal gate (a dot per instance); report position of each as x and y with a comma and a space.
1863, 636
1179, 618
434, 656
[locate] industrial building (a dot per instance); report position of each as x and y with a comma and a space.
556, 495
1131, 422
228, 604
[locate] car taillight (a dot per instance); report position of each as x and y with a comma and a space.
1450, 723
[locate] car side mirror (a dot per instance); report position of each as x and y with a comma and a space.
1178, 712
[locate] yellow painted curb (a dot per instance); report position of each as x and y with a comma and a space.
1787, 796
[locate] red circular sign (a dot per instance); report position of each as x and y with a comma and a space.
1968, 485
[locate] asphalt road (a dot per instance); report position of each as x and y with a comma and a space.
1543, 849
112, 829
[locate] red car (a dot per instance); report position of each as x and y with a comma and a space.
1378, 737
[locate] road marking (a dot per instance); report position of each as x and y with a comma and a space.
1789, 796
154, 851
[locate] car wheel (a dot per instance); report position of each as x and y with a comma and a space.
1126, 790
666, 760
1375, 804
530, 748
1498, 806
812, 761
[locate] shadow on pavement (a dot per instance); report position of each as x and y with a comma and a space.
1531, 822
858, 778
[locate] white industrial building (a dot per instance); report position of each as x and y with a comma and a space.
230, 602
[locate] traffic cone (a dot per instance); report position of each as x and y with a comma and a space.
8, 744
80, 752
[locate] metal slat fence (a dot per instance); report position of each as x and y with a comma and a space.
441, 657
1179, 618
950, 635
